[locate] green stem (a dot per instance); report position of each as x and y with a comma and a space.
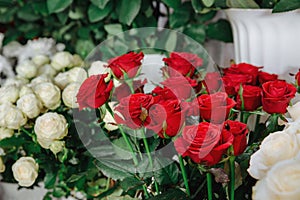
183, 170
256, 123
145, 191
209, 185
135, 161
232, 176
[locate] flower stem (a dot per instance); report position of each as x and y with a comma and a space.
186, 184
145, 191
209, 185
232, 176
135, 161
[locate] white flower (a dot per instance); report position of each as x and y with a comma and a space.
109, 120
39, 79
69, 95
9, 94
2, 166
26, 69
12, 49
62, 79
50, 127
25, 171
6, 133
30, 105
6, 67
40, 60
276, 147
16, 81
98, 67
11, 117
77, 61
25, 90
62, 60
77, 74
281, 182
57, 146
294, 111
46, 70
49, 94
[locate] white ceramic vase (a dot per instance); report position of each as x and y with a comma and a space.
267, 39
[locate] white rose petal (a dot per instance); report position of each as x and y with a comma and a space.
69, 95
49, 94
25, 171
30, 105
276, 147
77, 74
47, 70
2, 166
40, 60
9, 94
12, 49
17, 81
50, 127
6, 133
62, 80
62, 60
26, 69
25, 90
12, 117
57, 146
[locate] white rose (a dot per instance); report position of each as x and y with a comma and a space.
98, 67
25, 90
276, 147
13, 117
49, 94
40, 79
294, 111
26, 69
57, 146
2, 166
12, 49
50, 127
40, 60
77, 61
62, 60
69, 95
17, 81
6, 133
9, 94
281, 182
47, 70
62, 79
30, 105
108, 118
25, 171
77, 74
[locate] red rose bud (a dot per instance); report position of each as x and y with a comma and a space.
244, 68
94, 92
276, 96
128, 63
212, 82
124, 91
232, 82
239, 131
182, 63
133, 111
297, 77
165, 93
251, 97
265, 77
215, 107
203, 143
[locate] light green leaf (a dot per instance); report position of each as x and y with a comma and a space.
197, 5
84, 47
26, 13
208, 3
96, 14
113, 29
128, 10
173, 3
242, 4
76, 14
121, 149
56, 6
100, 3
286, 5
171, 41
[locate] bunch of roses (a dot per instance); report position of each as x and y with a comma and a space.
276, 164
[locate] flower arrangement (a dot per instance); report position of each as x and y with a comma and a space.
98, 131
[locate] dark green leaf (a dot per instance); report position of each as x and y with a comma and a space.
7, 15
220, 30
40, 7
84, 33
26, 13
49, 180
96, 14
168, 173
197, 32
268, 3
121, 149
197, 5
63, 16
59, 192
75, 177
6, 3
100, 3
130, 183
12, 142
220, 3
84, 47
56, 6
128, 10
172, 194
286, 5
242, 4
115, 169
181, 16
76, 14
172, 3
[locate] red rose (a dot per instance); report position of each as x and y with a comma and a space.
128, 63
181, 86
251, 96
215, 107
124, 91
233, 81
133, 111
239, 131
94, 92
167, 118
165, 93
297, 77
182, 63
212, 82
244, 68
203, 143
276, 96
265, 77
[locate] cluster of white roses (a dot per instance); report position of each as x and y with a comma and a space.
276, 164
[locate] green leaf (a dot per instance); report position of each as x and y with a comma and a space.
172, 3
286, 5
59, 192
6, 3
197, 32
197, 5
63, 17
130, 183
84, 47
49, 180
96, 14
56, 6
242, 4
113, 29
208, 3
181, 16
75, 177
220, 3
171, 41
128, 10
168, 173
220, 30
115, 168
76, 14
172, 194
100, 3
7, 16
121, 149
40, 7
26, 13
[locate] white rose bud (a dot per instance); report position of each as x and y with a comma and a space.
25, 90
2, 166
9, 94
30, 105
69, 95
281, 182
276, 147
25, 171
17, 81
109, 120
47, 70
40, 60
14, 118
62, 60
62, 80
26, 69
50, 127
77, 61
57, 146
40, 79
98, 67
49, 94
6, 133
77, 74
